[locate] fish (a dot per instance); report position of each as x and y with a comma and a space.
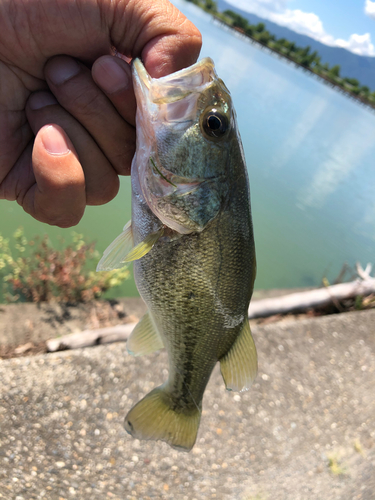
191, 240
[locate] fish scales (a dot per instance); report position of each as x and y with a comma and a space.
192, 235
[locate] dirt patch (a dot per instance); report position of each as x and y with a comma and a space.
28, 349
25, 328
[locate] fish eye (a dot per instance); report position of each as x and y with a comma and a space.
214, 123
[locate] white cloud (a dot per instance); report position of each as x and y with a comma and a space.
308, 23
359, 44
305, 23
339, 169
261, 7
370, 9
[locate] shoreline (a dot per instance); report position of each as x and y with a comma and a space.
26, 327
322, 78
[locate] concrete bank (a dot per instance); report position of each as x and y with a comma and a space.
306, 430
24, 322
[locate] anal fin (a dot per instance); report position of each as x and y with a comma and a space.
239, 366
145, 338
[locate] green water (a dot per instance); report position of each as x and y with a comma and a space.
99, 224
311, 162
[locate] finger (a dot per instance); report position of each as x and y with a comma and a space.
58, 197
15, 133
114, 76
72, 84
166, 54
20, 178
102, 182
165, 39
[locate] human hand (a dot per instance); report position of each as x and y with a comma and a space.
67, 133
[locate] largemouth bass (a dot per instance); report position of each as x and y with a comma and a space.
191, 240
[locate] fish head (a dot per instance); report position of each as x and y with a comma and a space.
185, 130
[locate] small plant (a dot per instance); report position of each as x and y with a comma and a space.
334, 466
358, 447
35, 271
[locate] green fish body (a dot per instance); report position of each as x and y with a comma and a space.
191, 240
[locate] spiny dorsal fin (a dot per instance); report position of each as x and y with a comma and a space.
239, 366
122, 249
154, 418
145, 338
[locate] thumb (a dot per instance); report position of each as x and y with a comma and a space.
58, 197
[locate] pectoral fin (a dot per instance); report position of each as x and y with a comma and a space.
113, 256
144, 246
239, 366
122, 249
145, 338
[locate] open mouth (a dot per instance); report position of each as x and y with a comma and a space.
174, 87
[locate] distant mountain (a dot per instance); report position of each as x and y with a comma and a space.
360, 67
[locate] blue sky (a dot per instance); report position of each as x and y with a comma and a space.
342, 23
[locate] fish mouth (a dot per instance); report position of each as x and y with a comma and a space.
172, 99
174, 87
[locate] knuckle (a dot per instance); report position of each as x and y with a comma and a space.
190, 35
87, 102
64, 220
195, 37
104, 194
60, 214
67, 222
121, 160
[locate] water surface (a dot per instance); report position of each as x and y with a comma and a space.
310, 154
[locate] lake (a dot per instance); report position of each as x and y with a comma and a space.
310, 154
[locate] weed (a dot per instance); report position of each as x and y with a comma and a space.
335, 467
358, 447
35, 271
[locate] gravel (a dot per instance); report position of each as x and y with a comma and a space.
306, 429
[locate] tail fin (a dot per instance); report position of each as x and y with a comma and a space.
154, 418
